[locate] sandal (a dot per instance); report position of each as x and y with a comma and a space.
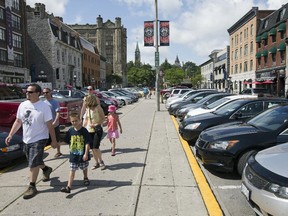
65, 189
58, 155
86, 182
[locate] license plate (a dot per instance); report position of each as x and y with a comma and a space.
245, 191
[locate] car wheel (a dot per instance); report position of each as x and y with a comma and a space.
242, 161
123, 101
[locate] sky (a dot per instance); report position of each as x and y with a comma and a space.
197, 27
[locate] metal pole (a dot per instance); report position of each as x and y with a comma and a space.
157, 58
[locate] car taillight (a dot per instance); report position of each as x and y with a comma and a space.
64, 112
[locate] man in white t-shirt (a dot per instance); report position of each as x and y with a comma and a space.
35, 117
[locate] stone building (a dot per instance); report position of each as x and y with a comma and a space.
54, 49
111, 41
243, 49
14, 62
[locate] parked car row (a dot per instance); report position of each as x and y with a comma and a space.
247, 135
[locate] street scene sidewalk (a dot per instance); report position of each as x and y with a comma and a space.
149, 175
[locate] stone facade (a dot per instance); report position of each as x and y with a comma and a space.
111, 41
54, 50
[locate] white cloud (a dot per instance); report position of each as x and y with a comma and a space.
57, 7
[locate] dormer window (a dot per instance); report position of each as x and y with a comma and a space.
281, 14
265, 24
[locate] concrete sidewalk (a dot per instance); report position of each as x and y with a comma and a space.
149, 175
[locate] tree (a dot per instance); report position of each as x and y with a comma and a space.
174, 75
142, 75
191, 69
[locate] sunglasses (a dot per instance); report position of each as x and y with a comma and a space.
89, 89
46, 92
30, 92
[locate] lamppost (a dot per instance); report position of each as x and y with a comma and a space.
157, 58
74, 78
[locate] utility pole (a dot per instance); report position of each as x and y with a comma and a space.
157, 58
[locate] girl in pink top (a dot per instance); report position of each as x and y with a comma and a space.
113, 124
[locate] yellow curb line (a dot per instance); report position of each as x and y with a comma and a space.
210, 201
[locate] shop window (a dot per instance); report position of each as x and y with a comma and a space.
282, 57
273, 56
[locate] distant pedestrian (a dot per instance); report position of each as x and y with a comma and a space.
145, 91
92, 121
79, 141
55, 108
35, 117
113, 125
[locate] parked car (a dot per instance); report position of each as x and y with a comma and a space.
265, 181
238, 110
216, 105
189, 100
165, 93
125, 100
227, 147
72, 93
181, 113
264, 92
15, 149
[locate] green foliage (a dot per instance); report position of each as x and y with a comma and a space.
114, 79
174, 75
141, 75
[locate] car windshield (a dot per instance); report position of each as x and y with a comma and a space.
271, 119
216, 103
228, 108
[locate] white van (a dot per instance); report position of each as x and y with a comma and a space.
214, 106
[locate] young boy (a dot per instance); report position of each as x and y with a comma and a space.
78, 139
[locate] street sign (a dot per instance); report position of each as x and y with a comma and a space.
156, 59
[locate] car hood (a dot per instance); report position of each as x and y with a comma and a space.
274, 159
16, 139
230, 130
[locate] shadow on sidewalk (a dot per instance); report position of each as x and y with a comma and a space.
124, 150
120, 166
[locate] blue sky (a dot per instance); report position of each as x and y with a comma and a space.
197, 27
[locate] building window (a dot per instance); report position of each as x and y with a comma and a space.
58, 56
240, 68
240, 37
232, 42
232, 55
282, 56
265, 24
281, 14
246, 50
273, 38
78, 62
3, 55
18, 60
265, 60
63, 57
251, 47
236, 68
16, 21
15, 4
17, 41
273, 56
259, 62
282, 34
245, 66
240, 52
251, 65
1, 13
251, 29
57, 73
2, 34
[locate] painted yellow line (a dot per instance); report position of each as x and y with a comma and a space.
210, 201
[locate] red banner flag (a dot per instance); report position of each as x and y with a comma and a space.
164, 33
148, 33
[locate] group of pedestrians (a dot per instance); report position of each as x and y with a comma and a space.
40, 124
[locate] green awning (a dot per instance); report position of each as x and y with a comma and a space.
258, 55
264, 36
258, 39
264, 53
282, 27
281, 47
272, 31
273, 50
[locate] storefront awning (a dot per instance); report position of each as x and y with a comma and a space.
264, 36
281, 47
272, 31
273, 50
264, 53
258, 55
282, 27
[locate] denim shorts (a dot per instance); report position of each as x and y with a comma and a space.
75, 166
34, 153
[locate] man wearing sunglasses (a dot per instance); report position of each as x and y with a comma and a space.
55, 109
35, 117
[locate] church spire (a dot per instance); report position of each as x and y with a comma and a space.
177, 62
137, 55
